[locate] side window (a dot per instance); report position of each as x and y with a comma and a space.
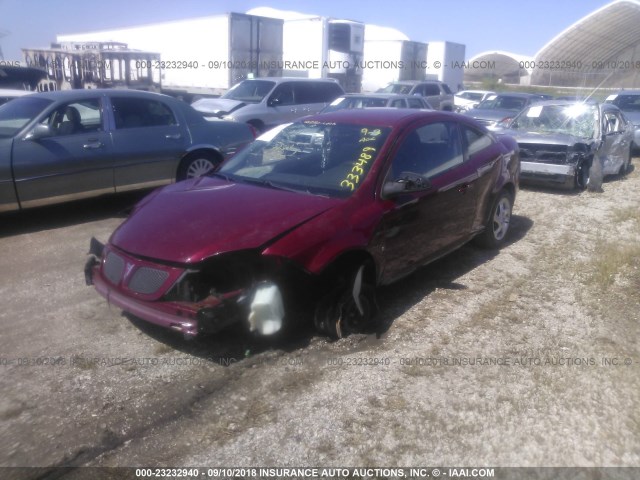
282, 95
476, 140
446, 88
141, 112
415, 103
308, 92
613, 123
431, 89
429, 150
399, 103
76, 117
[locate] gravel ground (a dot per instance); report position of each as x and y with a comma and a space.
524, 357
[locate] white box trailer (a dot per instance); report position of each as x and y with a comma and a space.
450, 58
203, 56
390, 56
320, 47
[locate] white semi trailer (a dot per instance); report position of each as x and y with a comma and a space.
320, 47
202, 56
389, 56
445, 61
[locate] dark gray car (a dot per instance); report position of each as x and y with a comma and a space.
572, 144
65, 145
501, 108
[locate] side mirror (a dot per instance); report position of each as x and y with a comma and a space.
40, 131
408, 182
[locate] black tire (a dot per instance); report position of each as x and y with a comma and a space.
499, 222
197, 165
337, 314
581, 180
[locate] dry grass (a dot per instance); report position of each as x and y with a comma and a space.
613, 261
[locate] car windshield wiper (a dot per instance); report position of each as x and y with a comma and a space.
221, 175
271, 184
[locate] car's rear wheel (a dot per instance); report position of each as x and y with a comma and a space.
197, 165
497, 228
348, 308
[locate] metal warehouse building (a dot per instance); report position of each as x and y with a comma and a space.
600, 50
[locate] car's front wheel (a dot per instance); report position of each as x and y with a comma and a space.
197, 165
350, 307
495, 232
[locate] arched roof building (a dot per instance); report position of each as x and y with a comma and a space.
602, 49
497, 65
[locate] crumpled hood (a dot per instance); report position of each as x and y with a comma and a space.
190, 221
546, 138
217, 106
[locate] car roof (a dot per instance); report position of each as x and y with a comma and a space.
380, 117
628, 92
81, 93
380, 95
516, 94
297, 79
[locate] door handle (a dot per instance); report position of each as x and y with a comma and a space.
94, 144
173, 136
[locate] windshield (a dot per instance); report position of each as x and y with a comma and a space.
319, 158
576, 119
250, 91
503, 102
355, 102
14, 115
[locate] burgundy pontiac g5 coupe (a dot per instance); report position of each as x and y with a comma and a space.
306, 221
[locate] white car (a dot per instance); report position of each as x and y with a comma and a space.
467, 99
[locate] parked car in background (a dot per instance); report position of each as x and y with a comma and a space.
466, 99
561, 141
7, 94
348, 200
629, 102
369, 100
270, 101
438, 94
500, 108
64, 145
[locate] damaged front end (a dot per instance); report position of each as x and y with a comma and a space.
557, 164
239, 287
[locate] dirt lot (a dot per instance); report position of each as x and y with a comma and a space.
524, 357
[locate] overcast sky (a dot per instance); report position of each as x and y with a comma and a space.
518, 27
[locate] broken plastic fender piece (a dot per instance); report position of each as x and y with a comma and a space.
267, 309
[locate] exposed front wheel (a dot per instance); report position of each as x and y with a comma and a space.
349, 308
497, 227
582, 176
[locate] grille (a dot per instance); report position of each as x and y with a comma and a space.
113, 267
544, 153
147, 280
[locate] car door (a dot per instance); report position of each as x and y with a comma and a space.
148, 141
616, 145
483, 156
421, 225
71, 158
282, 106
